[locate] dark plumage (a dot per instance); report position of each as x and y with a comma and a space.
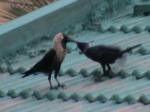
44, 64
52, 60
105, 55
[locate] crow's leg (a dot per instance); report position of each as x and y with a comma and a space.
104, 68
49, 79
110, 73
55, 75
109, 68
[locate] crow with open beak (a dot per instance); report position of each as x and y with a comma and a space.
52, 60
105, 55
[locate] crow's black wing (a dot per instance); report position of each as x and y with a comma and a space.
44, 64
48, 58
102, 53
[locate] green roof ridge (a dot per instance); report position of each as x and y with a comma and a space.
90, 97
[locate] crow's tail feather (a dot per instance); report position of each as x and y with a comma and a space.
27, 73
129, 49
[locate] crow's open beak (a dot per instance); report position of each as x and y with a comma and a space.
72, 40
68, 39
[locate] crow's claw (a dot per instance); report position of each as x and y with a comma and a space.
62, 86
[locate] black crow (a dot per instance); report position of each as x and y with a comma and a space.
52, 60
105, 55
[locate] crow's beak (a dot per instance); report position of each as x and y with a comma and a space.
71, 40
68, 39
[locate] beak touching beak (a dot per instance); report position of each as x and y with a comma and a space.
68, 39
71, 40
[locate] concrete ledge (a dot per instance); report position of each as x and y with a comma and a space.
45, 21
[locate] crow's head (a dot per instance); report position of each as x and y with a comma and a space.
83, 46
58, 38
67, 39
62, 39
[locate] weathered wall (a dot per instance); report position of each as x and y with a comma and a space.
45, 21
49, 20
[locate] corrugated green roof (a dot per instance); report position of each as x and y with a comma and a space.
93, 96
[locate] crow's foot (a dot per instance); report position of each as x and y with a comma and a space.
110, 74
62, 86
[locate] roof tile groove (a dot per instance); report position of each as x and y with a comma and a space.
127, 91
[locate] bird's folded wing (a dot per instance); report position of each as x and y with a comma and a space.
49, 56
100, 51
45, 62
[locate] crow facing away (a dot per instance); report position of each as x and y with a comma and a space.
52, 60
104, 55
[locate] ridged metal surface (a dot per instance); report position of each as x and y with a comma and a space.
79, 84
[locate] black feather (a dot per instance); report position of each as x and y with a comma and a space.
105, 55
44, 65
